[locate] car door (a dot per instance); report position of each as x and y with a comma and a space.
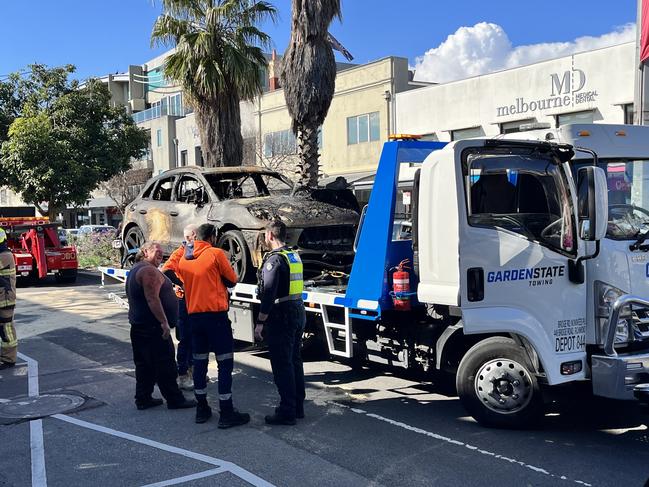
192, 205
159, 213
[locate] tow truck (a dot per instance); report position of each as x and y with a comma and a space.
493, 282
37, 249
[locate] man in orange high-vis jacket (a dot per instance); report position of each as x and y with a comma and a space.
183, 330
207, 273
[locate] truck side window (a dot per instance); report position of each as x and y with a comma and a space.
524, 194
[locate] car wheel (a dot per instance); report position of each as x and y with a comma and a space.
236, 247
133, 240
497, 387
67, 276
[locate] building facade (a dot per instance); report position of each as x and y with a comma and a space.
590, 87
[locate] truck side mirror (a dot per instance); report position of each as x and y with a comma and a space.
592, 197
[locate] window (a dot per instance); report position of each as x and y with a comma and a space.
363, 128
183, 158
515, 126
198, 156
575, 117
164, 189
523, 192
148, 190
158, 136
629, 113
190, 190
3, 197
280, 143
467, 133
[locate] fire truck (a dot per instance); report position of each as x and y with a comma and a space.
37, 249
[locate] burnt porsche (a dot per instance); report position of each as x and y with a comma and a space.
239, 202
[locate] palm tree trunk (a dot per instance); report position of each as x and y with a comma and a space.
307, 140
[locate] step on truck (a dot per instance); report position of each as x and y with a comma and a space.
37, 249
497, 292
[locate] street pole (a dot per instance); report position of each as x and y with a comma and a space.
388, 98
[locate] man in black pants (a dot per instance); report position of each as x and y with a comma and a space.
152, 307
282, 318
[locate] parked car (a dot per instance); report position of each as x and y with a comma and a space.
240, 201
85, 230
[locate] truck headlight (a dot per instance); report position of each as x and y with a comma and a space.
606, 295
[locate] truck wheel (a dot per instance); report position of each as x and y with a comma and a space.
67, 276
497, 387
234, 243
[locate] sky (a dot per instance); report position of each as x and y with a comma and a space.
443, 40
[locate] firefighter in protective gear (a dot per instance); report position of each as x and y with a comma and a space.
282, 319
8, 338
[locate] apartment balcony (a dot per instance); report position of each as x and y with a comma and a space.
161, 110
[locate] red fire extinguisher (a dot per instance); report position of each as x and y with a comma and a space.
401, 286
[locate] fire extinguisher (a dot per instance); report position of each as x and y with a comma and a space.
401, 286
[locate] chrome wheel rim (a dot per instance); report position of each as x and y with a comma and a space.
503, 386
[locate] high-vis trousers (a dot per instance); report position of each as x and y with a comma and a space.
8, 338
212, 333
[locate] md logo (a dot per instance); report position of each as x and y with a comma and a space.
571, 82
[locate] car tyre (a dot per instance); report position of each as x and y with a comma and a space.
497, 386
66, 276
234, 243
133, 240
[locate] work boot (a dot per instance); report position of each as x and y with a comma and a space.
203, 411
280, 419
149, 403
232, 418
7, 365
186, 382
183, 404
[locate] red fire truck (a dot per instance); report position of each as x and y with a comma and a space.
37, 249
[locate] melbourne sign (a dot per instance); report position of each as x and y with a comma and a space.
567, 89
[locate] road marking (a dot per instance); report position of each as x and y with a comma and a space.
225, 466
187, 478
36, 444
446, 439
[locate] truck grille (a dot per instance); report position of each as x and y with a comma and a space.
332, 238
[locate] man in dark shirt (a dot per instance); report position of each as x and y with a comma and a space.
153, 308
282, 317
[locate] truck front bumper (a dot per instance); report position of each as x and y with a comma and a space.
620, 376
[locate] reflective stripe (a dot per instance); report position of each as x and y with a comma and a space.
293, 297
200, 392
8, 303
224, 356
12, 340
7, 272
225, 397
201, 356
296, 277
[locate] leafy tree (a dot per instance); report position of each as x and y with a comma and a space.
125, 186
218, 61
308, 77
66, 140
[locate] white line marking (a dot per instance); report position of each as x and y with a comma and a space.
39, 477
455, 442
188, 478
32, 374
226, 466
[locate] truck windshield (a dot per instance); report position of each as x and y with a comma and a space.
628, 196
528, 195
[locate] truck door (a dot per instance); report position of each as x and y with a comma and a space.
517, 235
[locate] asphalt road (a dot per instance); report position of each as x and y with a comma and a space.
363, 426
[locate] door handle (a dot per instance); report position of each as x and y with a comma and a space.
173, 213
142, 212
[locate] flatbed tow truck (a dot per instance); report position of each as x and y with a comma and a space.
497, 292
37, 249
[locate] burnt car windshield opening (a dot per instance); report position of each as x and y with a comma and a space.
524, 194
246, 185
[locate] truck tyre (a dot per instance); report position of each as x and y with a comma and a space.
67, 276
497, 387
234, 243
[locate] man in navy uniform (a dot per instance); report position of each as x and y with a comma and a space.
282, 318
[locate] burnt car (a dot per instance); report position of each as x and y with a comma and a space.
240, 201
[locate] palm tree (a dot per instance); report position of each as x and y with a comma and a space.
308, 77
218, 60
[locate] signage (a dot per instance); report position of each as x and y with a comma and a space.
567, 90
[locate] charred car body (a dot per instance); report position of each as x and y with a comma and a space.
239, 201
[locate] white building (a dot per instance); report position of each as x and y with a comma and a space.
594, 86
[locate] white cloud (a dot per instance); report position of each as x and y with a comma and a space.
485, 47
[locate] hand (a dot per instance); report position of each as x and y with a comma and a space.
259, 328
166, 331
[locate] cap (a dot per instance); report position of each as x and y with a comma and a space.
3, 236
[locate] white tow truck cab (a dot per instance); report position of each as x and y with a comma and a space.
506, 239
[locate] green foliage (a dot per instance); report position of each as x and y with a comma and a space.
218, 61
97, 250
66, 140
